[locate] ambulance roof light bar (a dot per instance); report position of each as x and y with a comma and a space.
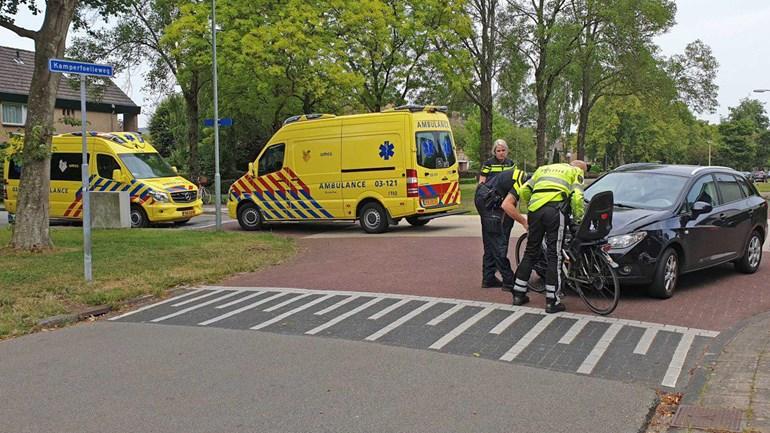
429, 108
304, 117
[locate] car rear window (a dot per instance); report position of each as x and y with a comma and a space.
746, 187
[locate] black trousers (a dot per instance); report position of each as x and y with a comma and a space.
496, 229
548, 222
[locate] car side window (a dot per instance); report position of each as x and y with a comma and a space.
272, 160
704, 190
728, 187
745, 187
105, 164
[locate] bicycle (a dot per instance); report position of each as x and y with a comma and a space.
587, 268
203, 193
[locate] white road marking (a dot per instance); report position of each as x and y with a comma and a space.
507, 322
337, 305
198, 298
212, 225
291, 312
445, 315
400, 321
451, 335
390, 308
286, 302
574, 331
238, 301
598, 351
147, 307
528, 338
242, 309
344, 316
195, 307
677, 361
644, 343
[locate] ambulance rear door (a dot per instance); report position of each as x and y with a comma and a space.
437, 176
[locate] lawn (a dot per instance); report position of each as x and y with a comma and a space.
763, 186
126, 264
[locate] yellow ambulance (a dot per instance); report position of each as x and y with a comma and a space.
118, 161
376, 168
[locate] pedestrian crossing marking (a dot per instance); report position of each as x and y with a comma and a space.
528, 338
409, 307
599, 348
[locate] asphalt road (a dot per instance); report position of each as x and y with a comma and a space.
129, 377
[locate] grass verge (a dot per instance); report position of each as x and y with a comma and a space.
763, 186
126, 264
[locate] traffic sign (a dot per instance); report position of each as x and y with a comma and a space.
68, 66
225, 121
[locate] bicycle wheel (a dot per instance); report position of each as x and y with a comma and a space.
595, 281
521, 248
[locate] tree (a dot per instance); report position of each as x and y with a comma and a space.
31, 230
546, 38
694, 73
172, 36
745, 136
614, 56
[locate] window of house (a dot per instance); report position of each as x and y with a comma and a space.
14, 113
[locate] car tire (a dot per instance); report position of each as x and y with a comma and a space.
416, 221
752, 255
374, 218
249, 217
666, 275
139, 218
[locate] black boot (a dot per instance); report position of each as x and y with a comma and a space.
551, 306
491, 283
520, 299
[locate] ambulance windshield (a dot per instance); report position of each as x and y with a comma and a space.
435, 149
147, 165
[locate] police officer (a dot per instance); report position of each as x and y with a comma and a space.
550, 193
497, 163
496, 226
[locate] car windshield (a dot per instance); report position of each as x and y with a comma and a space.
639, 190
146, 165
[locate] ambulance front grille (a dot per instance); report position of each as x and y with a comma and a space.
184, 196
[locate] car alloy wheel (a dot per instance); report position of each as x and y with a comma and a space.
754, 251
671, 272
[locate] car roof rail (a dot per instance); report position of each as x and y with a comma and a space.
304, 117
704, 167
637, 165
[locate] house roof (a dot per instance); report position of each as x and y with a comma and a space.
16, 76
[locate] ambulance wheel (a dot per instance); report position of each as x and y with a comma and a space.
249, 217
138, 217
374, 218
416, 222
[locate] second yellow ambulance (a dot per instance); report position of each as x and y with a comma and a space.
375, 168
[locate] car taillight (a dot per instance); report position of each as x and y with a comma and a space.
412, 189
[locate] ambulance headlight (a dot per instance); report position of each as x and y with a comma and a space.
160, 196
625, 241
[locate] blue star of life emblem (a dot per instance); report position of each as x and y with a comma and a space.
386, 150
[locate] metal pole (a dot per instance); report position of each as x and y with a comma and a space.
84, 175
217, 178
709, 152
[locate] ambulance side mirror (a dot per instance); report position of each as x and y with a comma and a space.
117, 175
251, 170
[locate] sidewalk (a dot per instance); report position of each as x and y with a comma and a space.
735, 375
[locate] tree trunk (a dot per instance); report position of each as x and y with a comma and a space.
582, 127
31, 230
486, 116
542, 122
193, 117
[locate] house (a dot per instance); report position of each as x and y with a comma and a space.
111, 110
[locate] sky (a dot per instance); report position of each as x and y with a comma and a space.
738, 32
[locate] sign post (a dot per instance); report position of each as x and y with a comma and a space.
83, 69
